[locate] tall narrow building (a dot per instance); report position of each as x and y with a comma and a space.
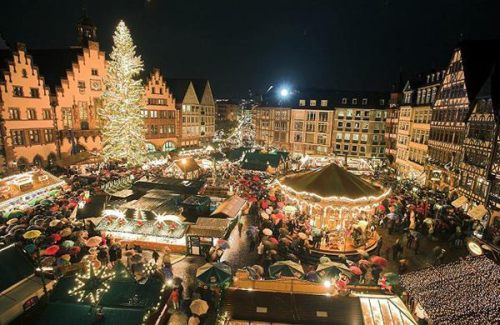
161, 117
27, 119
461, 84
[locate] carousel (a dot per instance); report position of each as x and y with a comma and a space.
340, 205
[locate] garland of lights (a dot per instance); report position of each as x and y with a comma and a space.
340, 199
91, 284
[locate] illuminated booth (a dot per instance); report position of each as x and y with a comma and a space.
338, 201
153, 221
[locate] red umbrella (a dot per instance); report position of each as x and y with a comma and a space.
378, 260
356, 270
256, 178
279, 216
51, 250
252, 199
281, 204
273, 240
264, 204
381, 207
341, 284
272, 198
56, 237
75, 250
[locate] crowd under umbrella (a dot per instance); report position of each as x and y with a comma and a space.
330, 269
287, 269
214, 274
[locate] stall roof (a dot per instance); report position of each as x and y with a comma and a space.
215, 191
196, 200
187, 165
15, 267
209, 227
180, 186
289, 308
81, 158
260, 161
229, 208
154, 201
117, 306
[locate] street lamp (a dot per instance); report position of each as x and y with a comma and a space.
284, 92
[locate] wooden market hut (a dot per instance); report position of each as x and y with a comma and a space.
230, 208
264, 162
201, 236
188, 167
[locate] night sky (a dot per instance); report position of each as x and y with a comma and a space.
241, 45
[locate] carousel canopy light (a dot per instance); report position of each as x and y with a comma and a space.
333, 183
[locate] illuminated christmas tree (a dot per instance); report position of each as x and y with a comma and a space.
123, 125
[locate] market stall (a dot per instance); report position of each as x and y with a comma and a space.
18, 191
151, 221
201, 236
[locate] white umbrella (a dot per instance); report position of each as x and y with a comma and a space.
267, 232
264, 215
198, 307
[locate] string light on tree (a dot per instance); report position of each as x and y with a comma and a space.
92, 284
123, 125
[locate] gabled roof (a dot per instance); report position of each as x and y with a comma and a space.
230, 207
199, 87
5, 57
187, 165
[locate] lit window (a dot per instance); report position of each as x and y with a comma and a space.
18, 91
31, 114
302, 102
324, 102
312, 102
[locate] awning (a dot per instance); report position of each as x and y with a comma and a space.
460, 202
477, 212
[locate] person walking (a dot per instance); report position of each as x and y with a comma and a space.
174, 298
155, 256
240, 226
397, 250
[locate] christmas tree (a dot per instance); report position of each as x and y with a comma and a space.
123, 125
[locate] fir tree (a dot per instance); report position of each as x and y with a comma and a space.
123, 125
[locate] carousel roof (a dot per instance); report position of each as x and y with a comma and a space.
331, 181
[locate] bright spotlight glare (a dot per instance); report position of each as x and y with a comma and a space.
327, 283
284, 92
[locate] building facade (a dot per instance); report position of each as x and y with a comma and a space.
76, 95
414, 125
391, 126
207, 110
323, 122
28, 126
160, 116
226, 110
447, 129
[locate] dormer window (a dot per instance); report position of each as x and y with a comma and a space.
312, 102
382, 102
324, 103
354, 101
364, 101
302, 102
344, 100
